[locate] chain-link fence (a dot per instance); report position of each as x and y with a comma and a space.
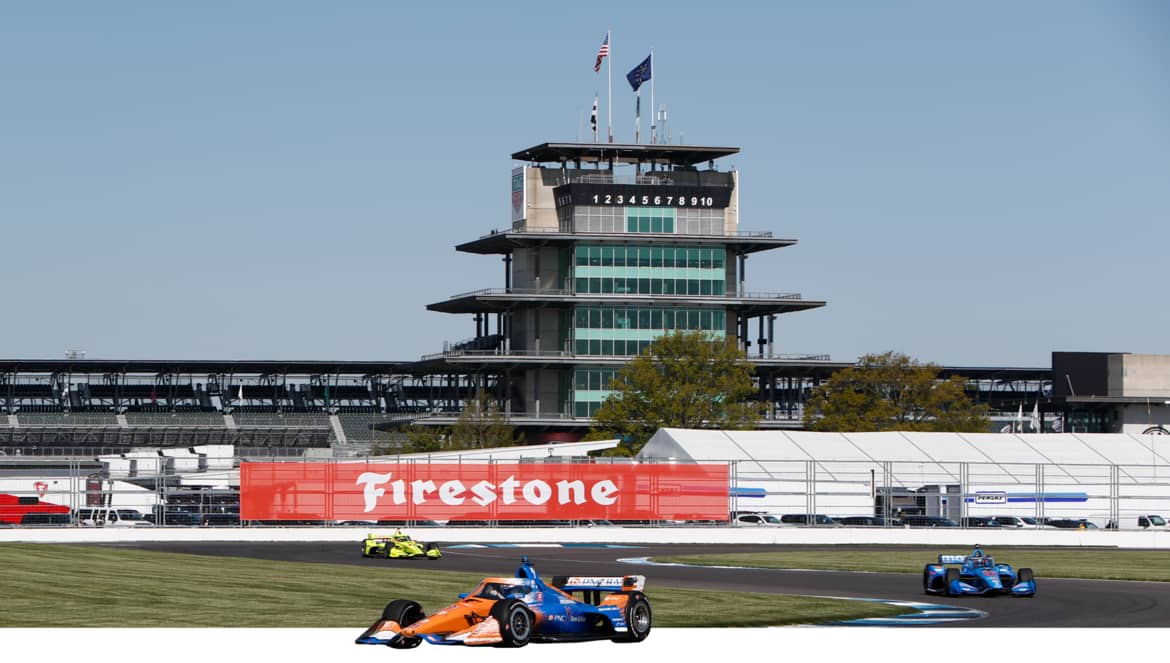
182, 487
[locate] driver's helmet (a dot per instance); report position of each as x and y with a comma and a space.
491, 590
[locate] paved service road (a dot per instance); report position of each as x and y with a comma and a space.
1058, 602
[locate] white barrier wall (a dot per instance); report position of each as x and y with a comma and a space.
961, 538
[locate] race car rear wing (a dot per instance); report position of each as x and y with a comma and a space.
951, 559
600, 583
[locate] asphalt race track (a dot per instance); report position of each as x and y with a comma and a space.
1058, 602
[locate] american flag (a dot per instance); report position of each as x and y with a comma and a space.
601, 53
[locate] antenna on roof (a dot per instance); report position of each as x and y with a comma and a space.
661, 122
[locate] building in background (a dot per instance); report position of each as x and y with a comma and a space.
611, 246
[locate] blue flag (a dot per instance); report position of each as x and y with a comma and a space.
640, 74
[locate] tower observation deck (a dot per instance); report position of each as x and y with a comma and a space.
611, 246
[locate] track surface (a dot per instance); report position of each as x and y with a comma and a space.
1058, 602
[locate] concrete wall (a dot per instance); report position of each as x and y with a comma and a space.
618, 535
731, 215
542, 209
1145, 376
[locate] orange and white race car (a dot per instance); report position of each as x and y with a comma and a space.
513, 611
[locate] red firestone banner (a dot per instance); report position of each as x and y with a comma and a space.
482, 491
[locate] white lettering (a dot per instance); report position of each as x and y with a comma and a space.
371, 492
578, 488
509, 487
537, 492
603, 492
485, 493
419, 490
450, 492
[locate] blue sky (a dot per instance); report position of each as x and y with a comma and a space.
972, 184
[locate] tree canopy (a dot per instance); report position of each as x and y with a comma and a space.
481, 425
892, 391
684, 379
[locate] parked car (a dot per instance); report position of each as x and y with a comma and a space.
109, 517
868, 521
1150, 522
46, 519
980, 521
1070, 523
816, 519
765, 519
928, 521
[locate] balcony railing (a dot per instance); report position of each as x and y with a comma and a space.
749, 234
561, 292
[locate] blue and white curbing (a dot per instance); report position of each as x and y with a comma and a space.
924, 614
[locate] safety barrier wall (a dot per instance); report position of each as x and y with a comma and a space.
204, 489
960, 538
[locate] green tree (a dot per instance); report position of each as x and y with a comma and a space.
685, 379
481, 425
891, 391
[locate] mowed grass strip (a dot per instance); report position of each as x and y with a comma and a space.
45, 585
1093, 563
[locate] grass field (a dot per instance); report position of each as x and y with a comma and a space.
67, 585
1105, 564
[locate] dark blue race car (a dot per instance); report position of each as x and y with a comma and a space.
977, 573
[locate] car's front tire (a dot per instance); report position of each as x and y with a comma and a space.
951, 577
639, 618
405, 613
515, 620
929, 582
1025, 574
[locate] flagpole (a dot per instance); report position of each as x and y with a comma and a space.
609, 75
653, 108
638, 115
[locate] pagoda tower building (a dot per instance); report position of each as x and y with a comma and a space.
610, 247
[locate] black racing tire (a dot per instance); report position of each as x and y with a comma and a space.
926, 580
428, 548
951, 576
516, 622
639, 618
405, 613
1025, 574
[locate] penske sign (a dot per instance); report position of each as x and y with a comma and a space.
482, 491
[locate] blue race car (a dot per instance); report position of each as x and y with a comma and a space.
513, 611
976, 573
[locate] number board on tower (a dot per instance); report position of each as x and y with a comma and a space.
631, 195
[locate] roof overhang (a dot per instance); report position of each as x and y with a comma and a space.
677, 155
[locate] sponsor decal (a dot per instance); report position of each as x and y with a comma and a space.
41, 487
482, 491
996, 497
991, 497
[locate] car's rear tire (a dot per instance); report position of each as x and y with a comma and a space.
1025, 574
951, 576
639, 618
515, 620
427, 551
